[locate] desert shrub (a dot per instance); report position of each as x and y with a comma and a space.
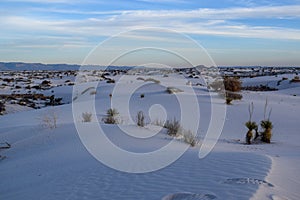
110, 81
232, 84
233, 95
232, 87
296, 79
54, 101
152, 80
158, 122
86, 117
2, 108
228, 100
49, 120
111, 117
140, 79
189, 138
261, 87
172, 126
140, 119
173, 90
93, 92
46, 82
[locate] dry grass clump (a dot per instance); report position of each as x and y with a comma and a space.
49, 120
86, 117
174, 129
111, 117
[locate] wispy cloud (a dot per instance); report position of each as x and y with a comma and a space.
202, 13
199, 21
228, 13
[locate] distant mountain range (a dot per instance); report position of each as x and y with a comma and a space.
19, 66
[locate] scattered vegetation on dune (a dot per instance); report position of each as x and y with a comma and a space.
266, 125
174, 129
260, 88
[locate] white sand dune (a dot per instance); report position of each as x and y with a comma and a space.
53, 164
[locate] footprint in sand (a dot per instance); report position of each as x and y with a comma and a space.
242, 181
189, 196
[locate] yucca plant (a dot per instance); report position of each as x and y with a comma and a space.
267, 125
267, 133
140, 119
250, 124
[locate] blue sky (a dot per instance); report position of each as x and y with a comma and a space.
234, 32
